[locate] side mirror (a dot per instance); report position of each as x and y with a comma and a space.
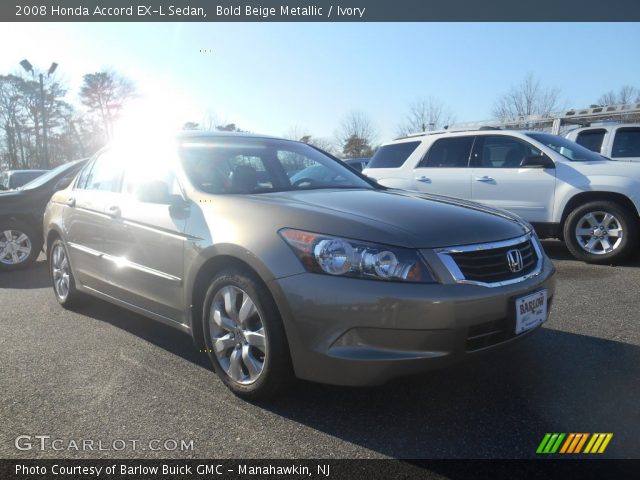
538, 161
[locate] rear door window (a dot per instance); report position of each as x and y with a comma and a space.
392, 156
626, 143
592, 139
448, 153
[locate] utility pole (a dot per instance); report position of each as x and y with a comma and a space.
45, 143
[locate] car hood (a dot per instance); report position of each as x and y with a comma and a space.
423, 221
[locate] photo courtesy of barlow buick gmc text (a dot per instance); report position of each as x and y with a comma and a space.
319, 240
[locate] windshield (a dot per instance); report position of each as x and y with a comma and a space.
42, 179
236, 165
567, 148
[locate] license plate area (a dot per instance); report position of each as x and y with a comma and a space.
531, 311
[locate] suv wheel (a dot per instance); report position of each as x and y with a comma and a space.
601, 232
20, 245
245, 337
64, 286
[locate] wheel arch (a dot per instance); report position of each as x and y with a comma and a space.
584, 197
200, 281
52, 235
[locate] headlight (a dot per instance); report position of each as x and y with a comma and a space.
351, 258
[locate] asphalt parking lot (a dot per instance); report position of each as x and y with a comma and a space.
104, 373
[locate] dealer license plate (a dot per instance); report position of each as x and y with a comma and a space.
531, 311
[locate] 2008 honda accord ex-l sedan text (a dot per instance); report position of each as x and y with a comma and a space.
337, 280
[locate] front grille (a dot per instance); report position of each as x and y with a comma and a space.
491, 265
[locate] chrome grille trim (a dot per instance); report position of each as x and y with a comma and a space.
444, 254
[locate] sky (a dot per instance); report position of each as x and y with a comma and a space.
272, 77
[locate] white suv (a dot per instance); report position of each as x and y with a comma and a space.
565, 190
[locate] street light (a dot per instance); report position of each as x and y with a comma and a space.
29, 68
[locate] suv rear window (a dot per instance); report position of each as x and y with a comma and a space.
591, 139
392, 156
627, 143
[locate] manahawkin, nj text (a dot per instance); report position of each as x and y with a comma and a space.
211, 11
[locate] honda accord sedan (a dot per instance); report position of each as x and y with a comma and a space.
342, 282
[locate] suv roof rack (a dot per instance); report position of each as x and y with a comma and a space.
446, 130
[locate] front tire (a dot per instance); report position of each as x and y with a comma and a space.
64, 285
245, 337
601, 232
20, 245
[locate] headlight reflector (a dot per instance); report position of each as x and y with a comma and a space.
335, 256
353, 258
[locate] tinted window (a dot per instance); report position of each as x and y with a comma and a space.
626, 143
498, 151
591, 139
105, 174
449, 153
392, 156
229, 165
568, 149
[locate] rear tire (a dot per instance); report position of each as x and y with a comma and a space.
64, 285
20, 245
245, 337
601, 232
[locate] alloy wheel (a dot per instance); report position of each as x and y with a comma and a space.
15, 247
60, 271
599, 233
237, 335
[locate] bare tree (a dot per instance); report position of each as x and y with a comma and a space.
297, 133
527, 98
12, 118
426, 114
356, 135
301, 134
105, 94
626, 94
322, 143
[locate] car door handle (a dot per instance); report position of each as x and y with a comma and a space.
70, 202
484, 178
114, 211
423, 179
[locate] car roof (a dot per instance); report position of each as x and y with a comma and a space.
186, 134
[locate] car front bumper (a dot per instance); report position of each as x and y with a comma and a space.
366, 332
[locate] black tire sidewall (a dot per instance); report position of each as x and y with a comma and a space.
34, 238
629, 226
276, 374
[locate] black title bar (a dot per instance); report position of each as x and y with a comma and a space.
320, 11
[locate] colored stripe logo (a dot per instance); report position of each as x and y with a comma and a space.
574, 443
